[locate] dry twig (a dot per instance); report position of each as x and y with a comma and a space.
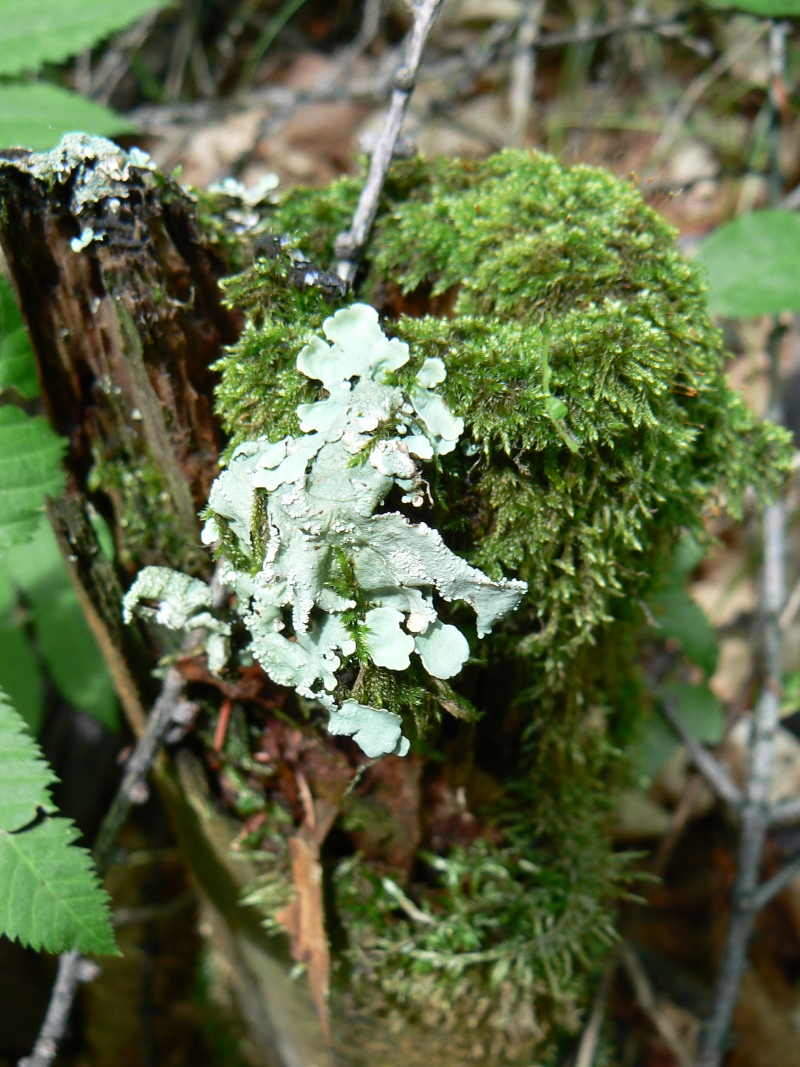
350, 244
591, 1034
711, 769
700, 86
523, 73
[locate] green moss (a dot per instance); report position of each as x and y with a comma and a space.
580, 354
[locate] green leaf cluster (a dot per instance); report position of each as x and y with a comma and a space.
34, 114
753, 265
51, 897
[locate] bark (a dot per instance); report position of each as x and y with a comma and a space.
124, 329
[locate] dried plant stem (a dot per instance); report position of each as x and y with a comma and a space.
70, 974
786, 813
755, 814
647, 1001
700, 86
770, 889
590, 1037
523, 73
350, 244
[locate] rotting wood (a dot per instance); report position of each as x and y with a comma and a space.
120, 295
124, 330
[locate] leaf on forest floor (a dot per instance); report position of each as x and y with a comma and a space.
753, 265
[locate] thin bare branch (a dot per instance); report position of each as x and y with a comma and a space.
523, 73
591, 1034
72, 970
756, 815
350, 244
776, 884
133, 788
710, 768
700, 87
786, 813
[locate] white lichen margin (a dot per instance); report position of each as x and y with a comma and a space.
322, 491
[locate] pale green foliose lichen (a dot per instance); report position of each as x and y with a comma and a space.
181, 603
322, 491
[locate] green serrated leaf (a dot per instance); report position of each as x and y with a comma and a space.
17, 365
26, 778
51, 897
753, 265
21, 675
65, 641
33, 32
768, 9
35, 115
29, 470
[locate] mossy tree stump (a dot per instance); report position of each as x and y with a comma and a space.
472, 883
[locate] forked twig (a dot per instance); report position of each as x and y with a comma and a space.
72, 967
755, 811
350, 244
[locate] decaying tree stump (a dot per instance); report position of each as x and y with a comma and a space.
119, 292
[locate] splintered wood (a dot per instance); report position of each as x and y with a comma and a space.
304, 918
